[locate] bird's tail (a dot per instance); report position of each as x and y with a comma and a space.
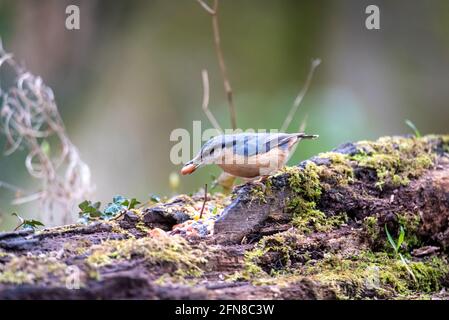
307, 136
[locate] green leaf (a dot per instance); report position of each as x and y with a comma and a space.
89, 210
118, 199
413, 127
133, 203
390, 239
33, 224
84, 205
112, 209
27, 224
400, 238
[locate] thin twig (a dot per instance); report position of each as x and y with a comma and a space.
205, 200
206, 7
11, 187
221, 62
205, 104
18, 227
315, 63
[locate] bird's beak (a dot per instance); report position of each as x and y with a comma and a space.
189, 168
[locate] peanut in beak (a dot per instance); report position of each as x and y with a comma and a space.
188, 169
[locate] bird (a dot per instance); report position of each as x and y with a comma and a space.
246, 155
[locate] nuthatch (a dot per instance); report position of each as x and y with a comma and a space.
247, 155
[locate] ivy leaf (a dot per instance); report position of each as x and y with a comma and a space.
27, 223
32, 224
89, 210
84, 205
112, 209
133, 203
118, 199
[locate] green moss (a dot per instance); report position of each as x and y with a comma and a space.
142, 227
377, 237
340, 172
305, 182
3, 253
306, 218
271, 255
411, 223
372, 228
258, 193
164, 250
445, 141
33, 270
396, 160
306, 191
385, 276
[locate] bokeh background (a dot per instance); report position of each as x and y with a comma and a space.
131, 75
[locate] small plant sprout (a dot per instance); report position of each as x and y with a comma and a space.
91, 211
27, 224
412, 126
396, 245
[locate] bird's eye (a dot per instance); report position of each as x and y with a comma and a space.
212, 151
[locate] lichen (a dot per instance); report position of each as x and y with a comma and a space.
171, 251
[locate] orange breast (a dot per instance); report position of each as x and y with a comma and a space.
251, 167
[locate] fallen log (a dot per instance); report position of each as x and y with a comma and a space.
366, 220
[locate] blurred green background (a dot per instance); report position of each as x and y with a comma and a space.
131, 75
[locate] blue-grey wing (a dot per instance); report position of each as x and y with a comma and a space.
253, 144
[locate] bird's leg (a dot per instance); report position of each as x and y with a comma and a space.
258, 182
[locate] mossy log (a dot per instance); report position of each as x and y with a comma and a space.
366, 220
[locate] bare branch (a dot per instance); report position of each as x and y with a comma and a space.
204, 202
205, 104
303, 125
206, 7
10, 187
221, 62
315, 63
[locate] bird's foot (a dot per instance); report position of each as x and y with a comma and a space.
259, 182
